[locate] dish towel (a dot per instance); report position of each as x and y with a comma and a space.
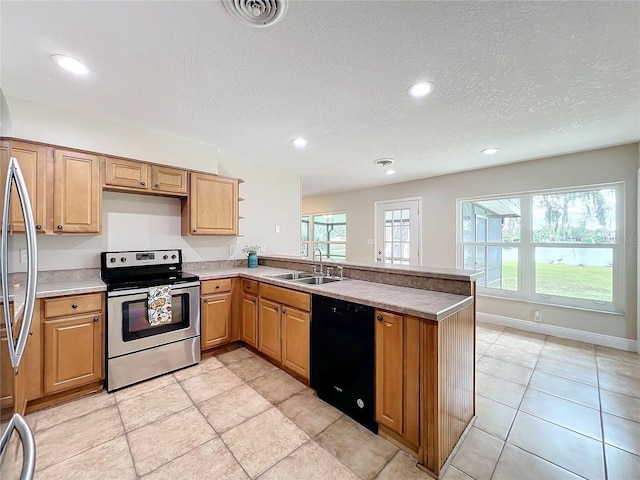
159, 311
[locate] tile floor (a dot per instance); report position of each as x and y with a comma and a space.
547, 408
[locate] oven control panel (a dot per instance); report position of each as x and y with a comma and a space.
137, 259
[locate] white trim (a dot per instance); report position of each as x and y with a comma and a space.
562, 332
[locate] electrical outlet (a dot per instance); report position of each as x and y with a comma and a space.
369, 241
277, 228
23, 255
232, 249
263, 248
537, 316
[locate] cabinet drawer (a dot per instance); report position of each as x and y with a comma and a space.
285, 296
215, 286
249, 286
73, 305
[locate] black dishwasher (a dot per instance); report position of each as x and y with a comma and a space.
343, 357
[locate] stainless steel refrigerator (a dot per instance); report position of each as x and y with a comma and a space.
19, 271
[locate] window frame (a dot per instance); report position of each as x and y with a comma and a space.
526, 250
311, 242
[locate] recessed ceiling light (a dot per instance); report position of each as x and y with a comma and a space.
489, 151
299, 142
390, 171
421, 89
71, 64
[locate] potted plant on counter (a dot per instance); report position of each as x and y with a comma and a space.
252, 252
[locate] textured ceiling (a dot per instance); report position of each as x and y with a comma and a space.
533, 78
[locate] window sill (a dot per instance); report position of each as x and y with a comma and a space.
549, 304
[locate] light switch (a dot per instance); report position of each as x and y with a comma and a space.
23, 255
277, 228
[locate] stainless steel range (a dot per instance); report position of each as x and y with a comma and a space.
141, 344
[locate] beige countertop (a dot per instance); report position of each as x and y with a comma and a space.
412, 301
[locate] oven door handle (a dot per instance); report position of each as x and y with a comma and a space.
180, 288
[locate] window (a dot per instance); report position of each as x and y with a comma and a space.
328, 232
557, 247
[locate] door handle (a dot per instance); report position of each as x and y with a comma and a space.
19, 424
14, 174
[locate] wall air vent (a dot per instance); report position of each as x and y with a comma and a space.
257, 13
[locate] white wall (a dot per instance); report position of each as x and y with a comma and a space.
439, 195
132, 221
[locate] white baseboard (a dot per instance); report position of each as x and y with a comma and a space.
563, 332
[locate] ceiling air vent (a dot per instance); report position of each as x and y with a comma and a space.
384, 162
257, 13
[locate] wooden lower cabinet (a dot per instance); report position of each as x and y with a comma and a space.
296, 340
389, 369
249, 320
7, 378
270, 329
73, 353
397, 374
215, 314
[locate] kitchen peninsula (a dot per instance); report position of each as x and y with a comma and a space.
425, 337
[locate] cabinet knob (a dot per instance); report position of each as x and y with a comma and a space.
38, 227
75, 305
96, 319
195, 230
284, 310
157, 185
253, 300
248, 287
142, 183
31, 333
217, 286
275, 308
379, 318
59, 227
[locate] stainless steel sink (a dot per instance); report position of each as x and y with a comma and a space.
316, 280
291, 275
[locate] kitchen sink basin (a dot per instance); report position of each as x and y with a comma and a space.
316, 280
291, 275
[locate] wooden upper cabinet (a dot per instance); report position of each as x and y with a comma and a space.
33, 160
212, 206
77, 200
168, 179
389, 370
126, 173
130, 175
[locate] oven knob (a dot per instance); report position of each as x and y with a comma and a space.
112, 259
164, 257
173, 257
123, 259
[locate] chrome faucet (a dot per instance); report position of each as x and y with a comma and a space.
314, 257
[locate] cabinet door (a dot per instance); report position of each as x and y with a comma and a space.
249, 326
126, 173
167, 179
72, 352
216, 320
77, 206
213, 205
295, 340
33, 163
389, 369
269, 329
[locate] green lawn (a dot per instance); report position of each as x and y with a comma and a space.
590, 283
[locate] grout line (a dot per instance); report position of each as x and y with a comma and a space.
126, 438
495, 466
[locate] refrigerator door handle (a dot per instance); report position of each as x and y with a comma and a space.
16, 350
18, 423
